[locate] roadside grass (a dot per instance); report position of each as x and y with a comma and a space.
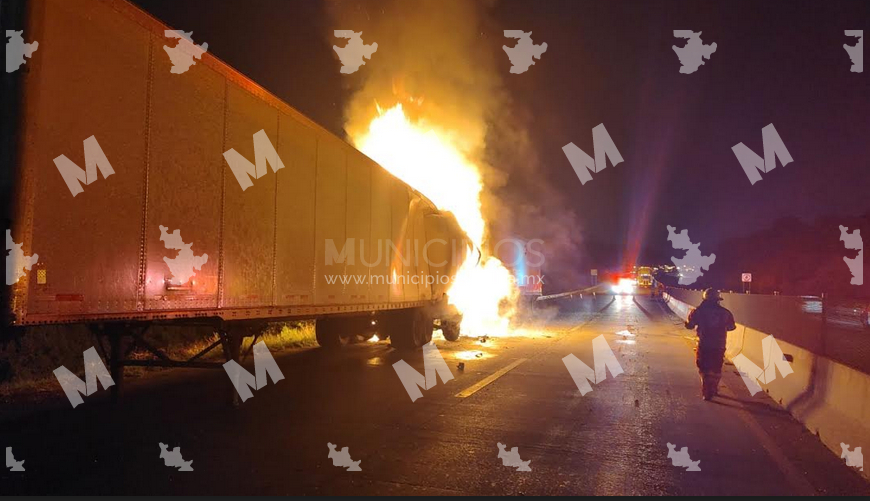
277, 336
27, 367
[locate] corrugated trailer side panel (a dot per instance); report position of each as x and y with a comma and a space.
412, 246
294, 262
424, 289
185, 176
102, 71
397, 246
331, 220
89, 79
359, 226
249, 215
377, 251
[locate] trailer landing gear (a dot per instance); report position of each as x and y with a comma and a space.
116, 354
231, 342
331, 333
124, 338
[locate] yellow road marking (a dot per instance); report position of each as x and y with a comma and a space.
471, 390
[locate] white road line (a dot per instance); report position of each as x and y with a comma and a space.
471, 390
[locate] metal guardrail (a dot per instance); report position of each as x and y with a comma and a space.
832, 328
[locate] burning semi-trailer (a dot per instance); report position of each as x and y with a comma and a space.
167, 195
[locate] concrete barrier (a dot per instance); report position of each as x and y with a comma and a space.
829, 398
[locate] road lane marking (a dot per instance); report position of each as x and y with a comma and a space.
471, 390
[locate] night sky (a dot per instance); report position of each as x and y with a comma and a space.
612, 63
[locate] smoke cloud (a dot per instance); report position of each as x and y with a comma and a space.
443, 61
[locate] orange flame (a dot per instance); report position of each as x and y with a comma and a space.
435, 162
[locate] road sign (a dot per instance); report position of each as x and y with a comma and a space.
747, 277
594, 273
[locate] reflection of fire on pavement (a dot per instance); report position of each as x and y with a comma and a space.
472, 355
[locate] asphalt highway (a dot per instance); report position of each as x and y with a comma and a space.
515, 391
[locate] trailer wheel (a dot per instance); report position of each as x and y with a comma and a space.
450, 330
330, 334
425, 324
410, 329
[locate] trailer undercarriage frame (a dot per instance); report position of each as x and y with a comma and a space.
117, 341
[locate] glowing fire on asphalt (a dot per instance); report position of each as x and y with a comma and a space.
436, 163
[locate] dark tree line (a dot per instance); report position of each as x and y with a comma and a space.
792, 257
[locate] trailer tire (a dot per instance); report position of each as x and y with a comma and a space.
450, 330
329, 333
410, 329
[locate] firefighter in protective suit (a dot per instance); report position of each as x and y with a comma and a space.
713, 323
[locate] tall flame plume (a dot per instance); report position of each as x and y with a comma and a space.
437, 163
